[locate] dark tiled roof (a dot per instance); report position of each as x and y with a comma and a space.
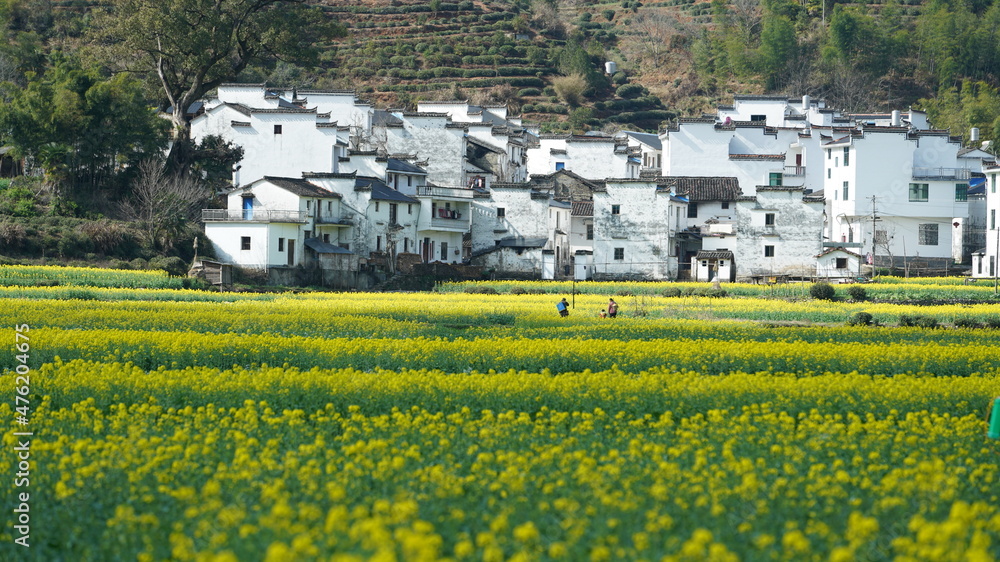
301, 187
523, 242
837, 249
397, 165
774, 157
708, 255
646, 138
322, 247
381, 191
698, 189
582, 209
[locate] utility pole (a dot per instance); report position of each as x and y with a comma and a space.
874, 217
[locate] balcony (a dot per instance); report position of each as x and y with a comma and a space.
940, 173
444, 192
794, 171
346, 219
251, 215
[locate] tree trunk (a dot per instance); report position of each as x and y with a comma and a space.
181, 154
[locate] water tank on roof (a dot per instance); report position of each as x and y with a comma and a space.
611, 67
974, 134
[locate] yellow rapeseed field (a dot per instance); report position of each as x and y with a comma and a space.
459, 426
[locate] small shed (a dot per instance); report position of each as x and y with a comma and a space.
709, 265
838, 264
216, 273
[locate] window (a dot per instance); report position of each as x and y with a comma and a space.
828, 173
393, 215
846, 190
768, 251
692, 210
501, 212
376, 206
309, 205
444, 251
774, 179
769, 219
378, 243
619, 253
918, 192
850, 235
560, 165
244, 242
928, 235
758, 117
590, 232
616, 209
993, 183
847, 156
409, 181
992, 264
961, 192
993, 219
326, 238
836, 162
725, 204
406, 244
277, 129
329, 207
841, 263
307, 234
829, 153
281, 244
409, 209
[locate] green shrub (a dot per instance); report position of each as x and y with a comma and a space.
529, 92
992, 322
860, 319
822, 291
927, 322
518, 291
966, 322
630, 91
857, 293
907, 321
671, 292
624, 293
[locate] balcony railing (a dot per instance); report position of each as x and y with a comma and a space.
795, 171
346, 219
450, 224
251, 215
457, 192
941, 173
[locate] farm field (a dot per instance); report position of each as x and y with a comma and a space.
171, 424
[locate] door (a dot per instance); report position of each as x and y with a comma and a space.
392, 213
291, 253
248, 208
427, 250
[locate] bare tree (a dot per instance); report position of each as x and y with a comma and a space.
657, 34
163, 204
854, 91
747, 21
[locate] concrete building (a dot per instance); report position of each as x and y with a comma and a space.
779, 233
636, 226
594, 157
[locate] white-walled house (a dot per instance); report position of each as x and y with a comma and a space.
595, 157
636, 227
510, 229
279, 137
779, 233
431, 138
986, 260
649, 148
912, 182
268, 223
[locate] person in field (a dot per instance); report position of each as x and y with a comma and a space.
603, 314
563, 307
612, 308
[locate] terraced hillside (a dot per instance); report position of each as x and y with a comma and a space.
399, 51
